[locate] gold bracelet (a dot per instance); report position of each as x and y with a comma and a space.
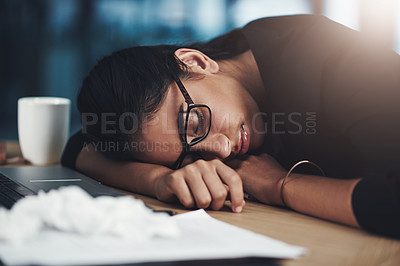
290, 171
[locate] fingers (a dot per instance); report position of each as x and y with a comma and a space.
176, 185
199, 189
234, 182
221, 180
211, 182
207, 184
218, 191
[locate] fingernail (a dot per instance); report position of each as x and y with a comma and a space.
239, 209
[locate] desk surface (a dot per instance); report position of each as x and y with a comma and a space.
328, 243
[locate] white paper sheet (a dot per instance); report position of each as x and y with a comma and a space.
202, 237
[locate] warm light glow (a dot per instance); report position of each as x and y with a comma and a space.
345, 12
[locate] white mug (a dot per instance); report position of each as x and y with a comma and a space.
43, 126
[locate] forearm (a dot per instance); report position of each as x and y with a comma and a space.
322, 197
186, 184
133, 176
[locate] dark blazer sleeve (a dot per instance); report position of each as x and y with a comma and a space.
376, 204
72, 149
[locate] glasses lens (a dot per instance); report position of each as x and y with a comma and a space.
198, 123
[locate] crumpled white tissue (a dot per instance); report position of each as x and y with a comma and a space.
71, 209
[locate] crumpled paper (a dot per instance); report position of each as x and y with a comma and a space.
71, 209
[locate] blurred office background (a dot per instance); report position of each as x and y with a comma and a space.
48, 46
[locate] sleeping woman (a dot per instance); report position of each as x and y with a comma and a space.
295, 111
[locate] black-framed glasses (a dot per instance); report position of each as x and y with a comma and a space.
194, 124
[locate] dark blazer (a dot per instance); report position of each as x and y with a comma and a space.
333, 98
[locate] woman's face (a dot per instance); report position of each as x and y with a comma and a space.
234, 127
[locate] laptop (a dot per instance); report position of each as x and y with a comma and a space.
18, 182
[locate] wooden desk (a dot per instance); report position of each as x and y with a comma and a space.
328, 243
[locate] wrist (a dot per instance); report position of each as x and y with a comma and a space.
285, 179
280, 188
286, 189
159, 187
269, 190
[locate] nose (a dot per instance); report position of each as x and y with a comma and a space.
214, 146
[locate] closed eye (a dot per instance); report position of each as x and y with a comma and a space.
200, 123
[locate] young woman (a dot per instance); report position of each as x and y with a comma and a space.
207, 122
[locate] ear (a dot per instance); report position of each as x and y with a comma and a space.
197, 61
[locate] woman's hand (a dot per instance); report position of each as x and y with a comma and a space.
261, 176
203, 184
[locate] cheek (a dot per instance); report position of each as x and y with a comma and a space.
225, 118
258, 130
256, 124
228, 106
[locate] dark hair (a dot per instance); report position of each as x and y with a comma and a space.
131, 84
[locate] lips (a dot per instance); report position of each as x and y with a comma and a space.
244, 141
